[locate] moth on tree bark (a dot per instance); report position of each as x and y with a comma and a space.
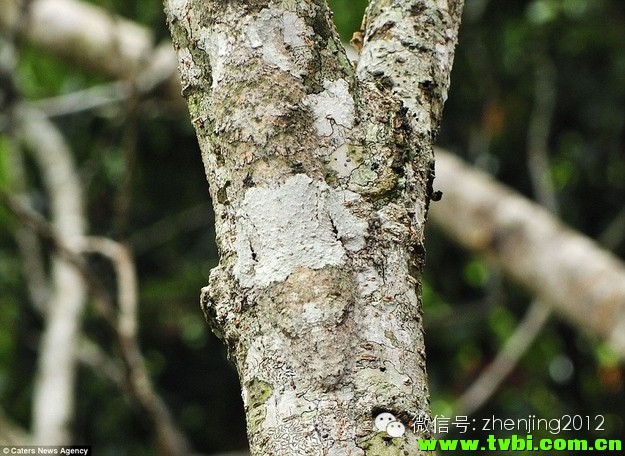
321, 176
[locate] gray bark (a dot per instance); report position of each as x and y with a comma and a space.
320, 177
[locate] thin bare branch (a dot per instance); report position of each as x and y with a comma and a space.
482, 389
91, 355
53, 401
97, 97
160, 71
489, 381
170, 440
127, 289
33, 220
538, 133
26, 239
81, 32
94, 39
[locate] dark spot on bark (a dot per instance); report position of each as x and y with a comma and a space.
297, 167
437, 195
377, 72
254, 255
334, 228
222, 194
416, 9
430, 185
382, 369
218, 152
427, 84
250, 6
383, 30
397, 166
419, 47
248, 181
376, 410
387, 82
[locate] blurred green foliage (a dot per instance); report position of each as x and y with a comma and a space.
470, 309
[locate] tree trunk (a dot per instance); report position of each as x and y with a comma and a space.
321, 177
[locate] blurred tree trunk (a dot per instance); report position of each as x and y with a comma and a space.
321, 176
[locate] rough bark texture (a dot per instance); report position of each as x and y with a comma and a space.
320, 182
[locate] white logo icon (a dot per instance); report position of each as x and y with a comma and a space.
395, 429
387, 422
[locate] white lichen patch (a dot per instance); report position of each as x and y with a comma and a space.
349, 229
368, 281
216, 45
333, 106
300, 223
419, 215
341, 162
178, 8
191, 74
295, 30
312, 313
278, 35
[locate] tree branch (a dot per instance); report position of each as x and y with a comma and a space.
483, 388
561, 267
81, 32
170, 441
409, 47
324, 186
569, 303
54, 392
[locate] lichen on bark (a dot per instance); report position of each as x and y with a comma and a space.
319, 175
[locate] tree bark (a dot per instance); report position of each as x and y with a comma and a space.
320, 178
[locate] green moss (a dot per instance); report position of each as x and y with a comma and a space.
258, 391
364, 177
179, 35
193, 101
390, 336
308, 417
356, 153
380, 444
